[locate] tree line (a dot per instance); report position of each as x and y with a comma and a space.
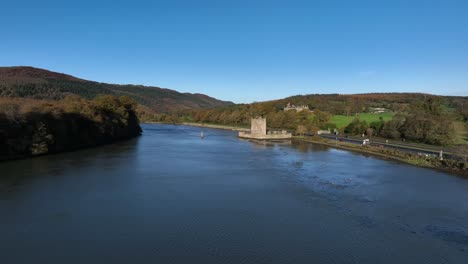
427, 120
31, 127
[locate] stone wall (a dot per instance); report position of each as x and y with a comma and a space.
265, 137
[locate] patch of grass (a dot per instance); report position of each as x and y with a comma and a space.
461, 131
341, 120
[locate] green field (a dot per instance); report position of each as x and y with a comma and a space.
461, 132
341, 120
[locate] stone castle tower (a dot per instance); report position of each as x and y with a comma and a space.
258, 126
258, 130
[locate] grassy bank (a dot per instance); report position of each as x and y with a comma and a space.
461, 130
450, 166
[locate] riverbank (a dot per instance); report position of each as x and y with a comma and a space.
30, 127
446, 165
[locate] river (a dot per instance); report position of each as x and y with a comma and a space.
171, 197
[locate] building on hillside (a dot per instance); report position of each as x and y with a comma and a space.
258, 130
378, 110
299, 108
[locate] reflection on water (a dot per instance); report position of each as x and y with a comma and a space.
264, 144
170, 196
306, 147
14, 172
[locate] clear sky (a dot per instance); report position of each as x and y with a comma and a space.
246, 50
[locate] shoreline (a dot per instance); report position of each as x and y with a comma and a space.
92, 146
373, 151
369, 150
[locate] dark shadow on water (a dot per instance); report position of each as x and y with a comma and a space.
14, 173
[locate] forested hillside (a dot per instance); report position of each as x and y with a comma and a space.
30, 127
28, 82
426, 118
431, 119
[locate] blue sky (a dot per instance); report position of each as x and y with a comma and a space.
246, 51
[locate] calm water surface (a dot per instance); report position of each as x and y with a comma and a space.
170, 197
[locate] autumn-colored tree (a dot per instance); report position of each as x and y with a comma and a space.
301, 130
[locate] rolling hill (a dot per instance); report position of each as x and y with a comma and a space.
29, 82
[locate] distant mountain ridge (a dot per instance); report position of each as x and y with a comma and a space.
30, 82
